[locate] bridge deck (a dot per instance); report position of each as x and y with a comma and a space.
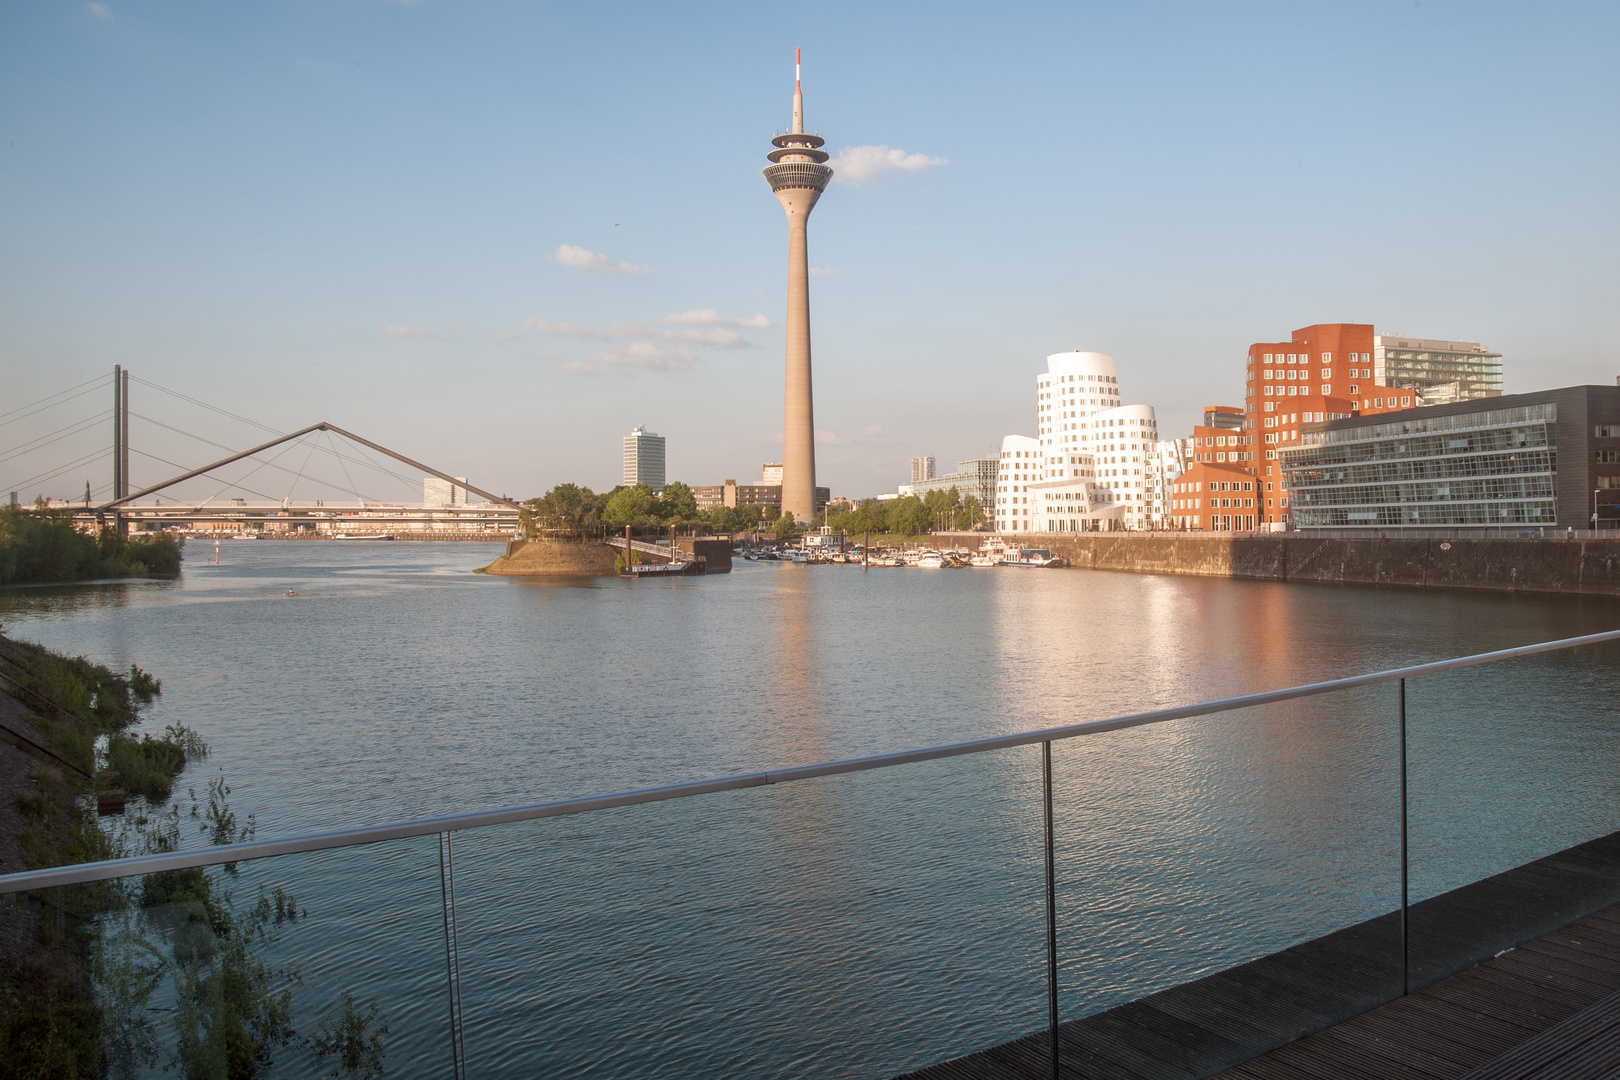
1330, 1007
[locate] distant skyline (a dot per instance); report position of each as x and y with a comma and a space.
498, 237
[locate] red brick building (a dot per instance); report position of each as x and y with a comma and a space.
1323, 372
1215, 498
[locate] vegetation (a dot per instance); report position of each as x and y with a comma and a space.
38, 548
911, 515
572, 511
82, 967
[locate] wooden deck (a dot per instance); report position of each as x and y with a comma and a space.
1332, 1007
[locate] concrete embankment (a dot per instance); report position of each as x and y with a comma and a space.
1559, 566
554, 557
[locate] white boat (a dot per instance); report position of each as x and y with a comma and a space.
982, 560
931, 560
362, 536
1036, 557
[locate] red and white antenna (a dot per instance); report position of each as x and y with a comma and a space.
798, 97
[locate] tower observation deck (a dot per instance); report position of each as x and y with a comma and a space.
798, 174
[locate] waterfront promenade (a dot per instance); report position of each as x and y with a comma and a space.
1493, 964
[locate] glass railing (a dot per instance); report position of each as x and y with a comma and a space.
865, 917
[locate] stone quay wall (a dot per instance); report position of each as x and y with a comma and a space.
1557, 566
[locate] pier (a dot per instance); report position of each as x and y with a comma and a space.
1493, 966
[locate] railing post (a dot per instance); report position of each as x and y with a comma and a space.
452, 957
1051, 911
1406, 950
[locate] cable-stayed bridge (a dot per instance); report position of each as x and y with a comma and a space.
252, 491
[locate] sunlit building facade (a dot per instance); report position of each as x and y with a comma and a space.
1086, 468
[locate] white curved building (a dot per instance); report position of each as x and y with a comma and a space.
1086, 468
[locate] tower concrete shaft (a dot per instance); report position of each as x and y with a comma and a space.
798, 174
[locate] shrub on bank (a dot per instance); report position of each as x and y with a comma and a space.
38, 549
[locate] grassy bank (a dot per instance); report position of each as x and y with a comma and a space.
36, 549
164, 970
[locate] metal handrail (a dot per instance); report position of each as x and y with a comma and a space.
371, 834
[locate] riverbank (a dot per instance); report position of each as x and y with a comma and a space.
1584, 567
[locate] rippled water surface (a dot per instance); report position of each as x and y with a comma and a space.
857, 925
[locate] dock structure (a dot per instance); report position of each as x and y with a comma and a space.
1515, 976
679, 561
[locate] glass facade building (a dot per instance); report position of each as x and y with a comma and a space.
976, 477
1441, 371
1529, 459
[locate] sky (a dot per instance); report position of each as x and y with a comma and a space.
496, 236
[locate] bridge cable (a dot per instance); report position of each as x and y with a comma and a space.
211, 498
205, 405
52, 475
30, 410
56, 436
233, 450
294, 485
342, 466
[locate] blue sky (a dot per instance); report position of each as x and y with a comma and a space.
353, 210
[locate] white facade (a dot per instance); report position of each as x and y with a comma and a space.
644, 459
436, 492
1087, 467
1164, 464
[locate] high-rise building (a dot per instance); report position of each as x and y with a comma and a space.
1086, 467
798, 174
922, 468
437, 492
644, 459
771, 473
1439, 371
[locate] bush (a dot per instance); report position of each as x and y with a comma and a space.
37, 549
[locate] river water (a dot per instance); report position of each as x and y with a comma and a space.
853, 926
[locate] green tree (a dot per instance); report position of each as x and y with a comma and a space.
785, 527
724, 519
906, 515
566, 509
630, 506
677, 503
971, 515
941, 507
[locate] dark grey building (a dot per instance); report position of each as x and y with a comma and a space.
1550, 458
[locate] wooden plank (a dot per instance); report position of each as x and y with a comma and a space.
1589, 1039
1294, 1014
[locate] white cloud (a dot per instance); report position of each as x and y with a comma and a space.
562, 329
719, 337
869, 164
581, 259
824, 271
100, 11
579, 367
644, 355
711, 317
407, 331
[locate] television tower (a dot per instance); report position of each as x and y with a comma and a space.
798, 174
